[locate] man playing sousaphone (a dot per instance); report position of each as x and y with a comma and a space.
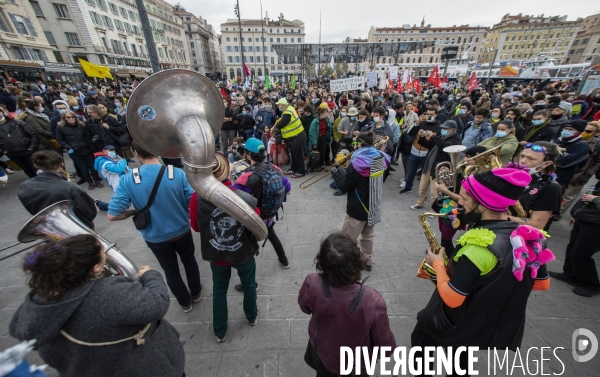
483, 303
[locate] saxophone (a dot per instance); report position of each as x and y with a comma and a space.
425, 270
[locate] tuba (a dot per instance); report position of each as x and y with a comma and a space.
58, 221
482, 162
446, 171
178, 113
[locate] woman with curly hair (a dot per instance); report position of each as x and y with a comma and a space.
86, 324
345, 312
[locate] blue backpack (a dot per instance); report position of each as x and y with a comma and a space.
272, 195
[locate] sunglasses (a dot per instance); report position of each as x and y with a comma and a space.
535, 148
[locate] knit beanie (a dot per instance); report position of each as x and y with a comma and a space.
497, 189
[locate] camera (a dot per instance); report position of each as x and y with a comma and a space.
95, 138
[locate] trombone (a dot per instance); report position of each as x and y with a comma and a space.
341, 162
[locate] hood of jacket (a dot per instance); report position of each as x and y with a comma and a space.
391, 117
99, 159
42, 320
361, 160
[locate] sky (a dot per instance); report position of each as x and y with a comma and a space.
353, 18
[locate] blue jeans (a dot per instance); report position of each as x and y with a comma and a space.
221, 276
248, 134
232, 157
102, 206
166, 253
413, 166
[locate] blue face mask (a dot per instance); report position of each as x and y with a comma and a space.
112, 154
537, 122
462, 111
567, 134
60, 111
500, 134
450, 98
244, 112
444, 132
75, 108
353, 118
342, 114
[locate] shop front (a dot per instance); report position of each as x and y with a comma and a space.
62, 73
22, 71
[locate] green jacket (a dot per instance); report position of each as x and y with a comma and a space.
313, 133
336, 132
509, 146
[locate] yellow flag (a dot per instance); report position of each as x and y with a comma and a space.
94, 70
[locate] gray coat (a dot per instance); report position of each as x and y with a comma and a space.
104, 310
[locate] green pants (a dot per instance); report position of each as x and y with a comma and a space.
221, 276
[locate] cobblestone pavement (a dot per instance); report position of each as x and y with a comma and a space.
275, 347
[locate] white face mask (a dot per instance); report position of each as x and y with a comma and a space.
536, 169
376, 119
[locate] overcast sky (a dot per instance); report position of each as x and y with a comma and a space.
343, 18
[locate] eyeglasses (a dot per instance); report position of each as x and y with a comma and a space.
535, 148
69, 117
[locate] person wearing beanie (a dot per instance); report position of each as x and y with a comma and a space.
226, 244
484, 303
576, 152
542, 197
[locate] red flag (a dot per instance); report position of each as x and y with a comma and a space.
409, 85
390, 83
445, 79
224, 94
473, 83
434, 77
246, 70
417, 85
399, 87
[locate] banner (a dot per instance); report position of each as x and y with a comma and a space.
371, 79
393, 72
353, 83
406, 76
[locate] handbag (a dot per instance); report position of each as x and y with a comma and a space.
141, 219
122, 139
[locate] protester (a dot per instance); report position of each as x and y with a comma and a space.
320, 136
228, 129
111, 167
18, 141
290, 126
102, 129
85, 324
477, 130
503, 138
576, 152
167, 233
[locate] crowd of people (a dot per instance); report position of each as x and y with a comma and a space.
547, 142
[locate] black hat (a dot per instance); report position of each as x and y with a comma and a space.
578, 124
449, 124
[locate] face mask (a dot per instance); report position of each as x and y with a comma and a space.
104, 111
352, 118
40, 110
362, 120
431, 119
249, 97
450, 98
267, 107
444, 132
328, 99
300, 110
536, 169
473, 216
75, 108
225, 104
462, 111
495, 116
244, 112
315, 100
376, 119
537, 122
60, 111
500, 134
586, 135
342, 114
567, 134
556, 116
117, 104
112, 154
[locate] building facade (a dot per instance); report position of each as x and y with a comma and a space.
468, 39
524, 37
259, 56
169, 35
587, 41
24, 49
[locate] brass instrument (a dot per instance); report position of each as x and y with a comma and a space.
447, 176
425, 270
343, 162
483, 162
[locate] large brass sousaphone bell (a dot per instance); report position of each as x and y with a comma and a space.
58, 221
178, 113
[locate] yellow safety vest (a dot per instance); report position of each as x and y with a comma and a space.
294, 127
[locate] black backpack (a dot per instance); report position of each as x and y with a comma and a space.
314, 161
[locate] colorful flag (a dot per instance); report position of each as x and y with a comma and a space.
390, 82
445, 79
434, 77
409, 85
293, 82
332, 65
473, 83
246, 70
267, 82
94, 70
224, 93
399, 87
417, 85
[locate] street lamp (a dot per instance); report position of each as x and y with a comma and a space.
237, 13
490, 49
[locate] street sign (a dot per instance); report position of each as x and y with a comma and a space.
354, 83
449, 52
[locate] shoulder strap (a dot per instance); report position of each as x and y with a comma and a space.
155, 188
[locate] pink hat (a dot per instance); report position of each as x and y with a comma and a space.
497, 189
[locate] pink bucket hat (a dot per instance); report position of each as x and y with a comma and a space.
497, 189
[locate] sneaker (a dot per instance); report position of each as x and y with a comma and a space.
391, 168
586, 292
405, 190
187, 309
240, 288
403, 184
395, 163
9, 171
90, 186
253, 323
338, 193
220, 340
368, 268
415, 206
81, 181
289, 172
98, 205
199, 296
298, 175
563, 277
284, 262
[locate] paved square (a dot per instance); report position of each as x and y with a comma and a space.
275, 347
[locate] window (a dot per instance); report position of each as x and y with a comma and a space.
119, 25
50, 37
108, 22
192, 44
252, 59
284, 40
72, 39
258, 59
292, 40
134, 50
228, 48
113, 8
36, 8
123, 12
272, 60
23, 25
127, 28
227, 39
131, 15
61, 11
278, 40
299, 39
255, 39
236, 49
229, 59
237, 59
260, 71
102, 4
231, 73
239, 71
271, 40
235, 39
170, 54
249, 48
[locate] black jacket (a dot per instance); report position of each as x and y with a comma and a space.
93, 127
47, 188
440, 155
462, 121
73, 138
8, 100
354, 184
229, 126
20, 137
246, 122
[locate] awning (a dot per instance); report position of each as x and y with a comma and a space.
62, 70
139, 75
15, 64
